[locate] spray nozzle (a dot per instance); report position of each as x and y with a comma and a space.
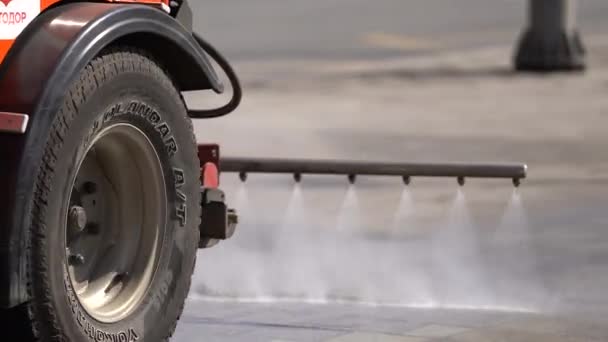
461, 181
243, 176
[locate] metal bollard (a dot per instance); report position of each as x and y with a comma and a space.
551, 42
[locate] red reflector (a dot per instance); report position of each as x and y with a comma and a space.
210, 176
13, 122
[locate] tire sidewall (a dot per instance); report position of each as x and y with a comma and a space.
147, 103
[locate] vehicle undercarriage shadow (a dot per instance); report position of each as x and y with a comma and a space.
12, 323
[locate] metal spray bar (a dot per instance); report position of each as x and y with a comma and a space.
298, 167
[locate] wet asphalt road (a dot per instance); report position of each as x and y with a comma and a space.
492, 266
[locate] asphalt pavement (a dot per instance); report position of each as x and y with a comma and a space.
348, 29
435, 262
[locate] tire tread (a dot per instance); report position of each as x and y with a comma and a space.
43, 323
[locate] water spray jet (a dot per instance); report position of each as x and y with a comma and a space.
343, 262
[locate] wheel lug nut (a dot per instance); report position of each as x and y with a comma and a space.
77, 218
76, 259
89, 187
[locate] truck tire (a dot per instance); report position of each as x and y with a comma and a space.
116, 207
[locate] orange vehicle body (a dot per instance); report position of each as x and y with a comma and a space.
10, 8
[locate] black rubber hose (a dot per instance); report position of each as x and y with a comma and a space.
237, 92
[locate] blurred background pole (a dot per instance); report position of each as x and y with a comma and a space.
551, 42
